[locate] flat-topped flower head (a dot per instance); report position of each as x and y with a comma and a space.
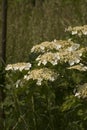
18, 66
78, 30
53, 58
45, 46
74, 47
72, 55
54, 45
40, 75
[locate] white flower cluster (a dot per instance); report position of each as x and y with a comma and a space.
48, 46
73, 47
74, 57
66, 51
18, 66
71, 55
79, 67
82, 91
40, 75
53, 58
78, 30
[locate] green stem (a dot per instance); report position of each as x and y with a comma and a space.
34, 117
17, 107
48, 108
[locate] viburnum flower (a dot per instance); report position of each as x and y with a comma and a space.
54, 45
53, 58
40, 75
71, 55
18, 66
78, 30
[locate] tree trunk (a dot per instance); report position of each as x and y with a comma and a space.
3, 63
4, 30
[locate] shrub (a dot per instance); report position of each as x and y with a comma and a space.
50, 91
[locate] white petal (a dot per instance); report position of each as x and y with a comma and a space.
74, 32
71, 62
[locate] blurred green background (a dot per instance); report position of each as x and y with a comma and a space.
33, 21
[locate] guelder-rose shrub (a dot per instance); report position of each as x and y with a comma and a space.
51, 85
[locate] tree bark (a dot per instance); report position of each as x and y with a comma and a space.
3, 63
4, 30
